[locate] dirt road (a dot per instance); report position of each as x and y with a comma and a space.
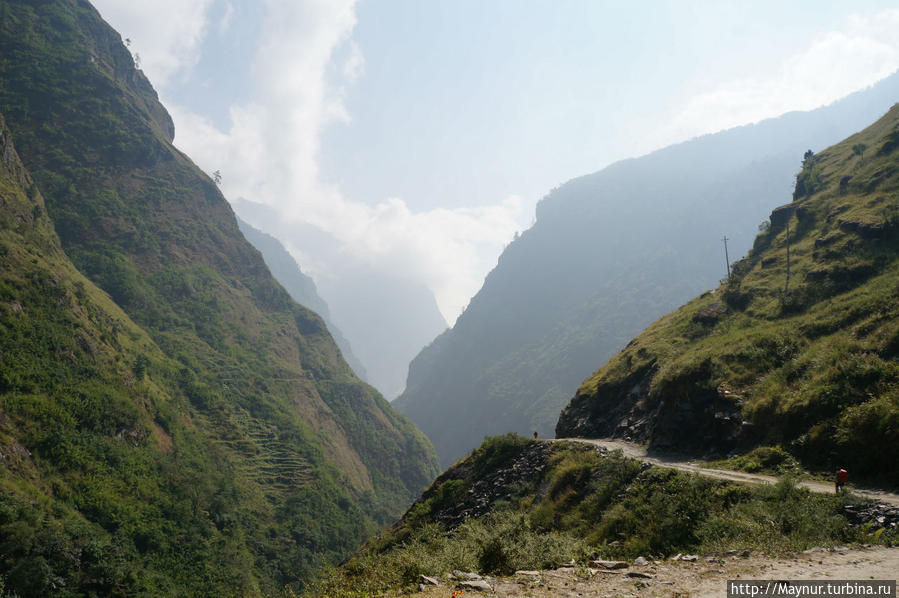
706, 577
638, 452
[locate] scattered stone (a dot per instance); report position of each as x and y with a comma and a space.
639, 574
690, 558
676, 557
477, 585
746, 553
525, 573
428, 581
875, 516
640, 560
609, 564
465, 575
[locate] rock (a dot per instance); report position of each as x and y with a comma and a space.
676, 557
428, 581
477, 585
525, 573
609, 564
690, 558
465, 575
709, 314
639, 574
641, 561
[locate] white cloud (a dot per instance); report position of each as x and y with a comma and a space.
270, 155
833, 66
225, 22
166, 33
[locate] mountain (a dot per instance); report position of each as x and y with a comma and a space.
798, 348
171, 422
300, 287
387, 317
609, 253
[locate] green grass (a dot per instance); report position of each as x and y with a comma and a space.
771, 460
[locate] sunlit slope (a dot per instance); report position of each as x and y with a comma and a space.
300, 286
177, 407
799, 347
608, 254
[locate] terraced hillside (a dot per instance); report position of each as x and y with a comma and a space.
171, 422
799, 347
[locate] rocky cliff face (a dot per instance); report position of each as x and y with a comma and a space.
798, 347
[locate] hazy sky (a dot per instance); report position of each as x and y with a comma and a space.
422, 133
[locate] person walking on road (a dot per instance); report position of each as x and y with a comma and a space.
842, 478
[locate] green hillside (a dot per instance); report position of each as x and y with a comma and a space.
797, 348
171, 422
300, 286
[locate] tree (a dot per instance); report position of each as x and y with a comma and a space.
217, 177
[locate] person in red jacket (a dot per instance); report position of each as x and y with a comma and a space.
842, 478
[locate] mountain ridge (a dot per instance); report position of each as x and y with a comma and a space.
300, 286
177, 423
386, 316
608, 254
796, 349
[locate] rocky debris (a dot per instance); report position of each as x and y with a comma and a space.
526, 573
689, 558
489, 487
609, 564
428, 581
640, 560
477, 585
639, 574
877, 515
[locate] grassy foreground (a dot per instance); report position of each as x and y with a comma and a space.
564, 502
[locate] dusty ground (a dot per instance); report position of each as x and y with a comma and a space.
704, 578
638, 452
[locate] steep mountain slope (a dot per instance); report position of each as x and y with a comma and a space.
386, 317
174, 424
798, 347
609, 253
300, 287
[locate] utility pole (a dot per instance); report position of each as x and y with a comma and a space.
787, 285
726, 258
